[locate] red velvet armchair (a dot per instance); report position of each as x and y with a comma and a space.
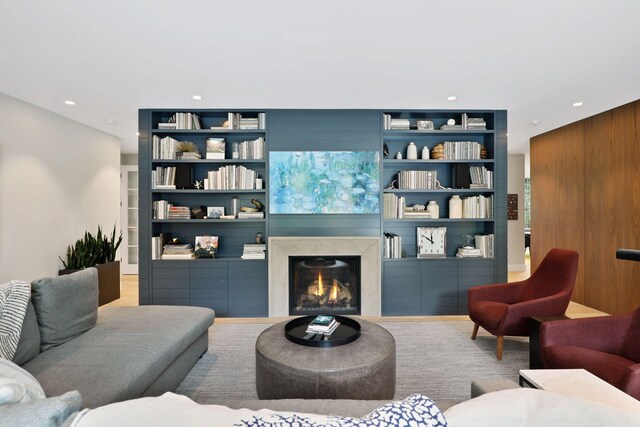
506, 308
608, 347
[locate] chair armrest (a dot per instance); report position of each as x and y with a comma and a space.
502, 292
631, 382
605, 333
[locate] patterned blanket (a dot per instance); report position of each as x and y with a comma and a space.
14, 297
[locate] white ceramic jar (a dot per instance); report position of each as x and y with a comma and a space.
434, 209
425, 153
412, 151
455, 207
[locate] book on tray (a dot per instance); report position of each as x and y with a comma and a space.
323, 325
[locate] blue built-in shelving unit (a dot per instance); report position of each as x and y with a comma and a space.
236, 287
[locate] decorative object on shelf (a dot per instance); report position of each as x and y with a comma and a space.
197, 184
198, 212
259, 237
512, 207
468, 250
258, 183
412, 151
187, 147
425, 125
215, 148
425, 153
235, 150
455, 207
215, 212
385, 150
418, 207
468, 238
206, 246
434, 209
235, 206
258, 204
437, 152
483, 152
432, 242
451, 122
399, 155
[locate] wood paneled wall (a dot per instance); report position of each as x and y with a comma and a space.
585, 195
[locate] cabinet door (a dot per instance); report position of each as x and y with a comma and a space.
209, 286
439, 287
170, 283
401, 288
247, 288
473, 272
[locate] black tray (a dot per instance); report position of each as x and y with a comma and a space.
348, 331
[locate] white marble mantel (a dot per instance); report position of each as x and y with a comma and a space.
369, 249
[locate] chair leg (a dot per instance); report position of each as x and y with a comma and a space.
475, 331
500, 344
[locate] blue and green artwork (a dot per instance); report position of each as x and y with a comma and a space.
324, 182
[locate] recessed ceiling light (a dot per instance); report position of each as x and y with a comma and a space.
197, 97
111, 122
69, 102
578, 104
451, 98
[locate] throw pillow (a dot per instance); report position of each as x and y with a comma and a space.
66, 306
17, 385
29, 345
50, 412
173, 409
14, 297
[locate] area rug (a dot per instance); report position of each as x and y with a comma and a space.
437, 359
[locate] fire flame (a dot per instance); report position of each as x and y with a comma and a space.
320, 289
333, 296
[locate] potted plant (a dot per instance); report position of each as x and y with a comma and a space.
97, 251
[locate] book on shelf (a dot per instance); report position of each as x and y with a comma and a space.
164, 148
188, 155
417, 180
231, 177
392, 245
185, 121
477, 207
462, 150
215, 148
481, 177
175, 250
396, 124
485, 242
250, 215
469, 253
451, 127
167, 125
163, 178
254, 251
473, 123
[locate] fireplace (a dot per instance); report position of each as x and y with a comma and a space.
324, 284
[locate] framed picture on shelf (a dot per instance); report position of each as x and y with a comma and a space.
425, 125
215, 212
206, 246
432, 242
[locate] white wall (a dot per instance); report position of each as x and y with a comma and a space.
58, 178
515, 185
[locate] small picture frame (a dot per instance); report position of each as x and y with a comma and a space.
206, 246
215, 212
425, 125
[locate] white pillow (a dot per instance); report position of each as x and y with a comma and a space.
17, 385
175, 410
526, 407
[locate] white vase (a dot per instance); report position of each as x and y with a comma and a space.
425, 153
412, 151
455, 207
398, 155
434, 209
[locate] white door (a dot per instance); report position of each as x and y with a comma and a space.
129, 219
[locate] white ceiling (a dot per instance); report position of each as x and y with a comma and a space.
534, 59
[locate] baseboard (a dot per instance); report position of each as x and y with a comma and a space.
517, 267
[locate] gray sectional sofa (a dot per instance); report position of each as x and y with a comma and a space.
108, 354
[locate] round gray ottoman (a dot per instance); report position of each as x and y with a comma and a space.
363, 369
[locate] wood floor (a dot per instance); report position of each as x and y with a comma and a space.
129, 297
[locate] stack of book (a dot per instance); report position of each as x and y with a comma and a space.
477, 207
254, 251
323, 325
188, 155
484, 242
163, 178
473, 123
481, 177
410, 213
469, 253
251, 150
417, 180
231, 177
451, 127
250, 215
236, 121
178, 212
160, 209
167, 125
178, 251
184, 121
396, 124
462, 150
164, 148
392, 245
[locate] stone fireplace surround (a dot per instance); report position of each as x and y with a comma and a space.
368, 248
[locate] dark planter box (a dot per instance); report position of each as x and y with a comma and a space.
108, 281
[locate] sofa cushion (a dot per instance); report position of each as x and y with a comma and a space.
631, 345
609, 367
488, 313
17, 385
29, 344
123, 354
66, 306
175, 410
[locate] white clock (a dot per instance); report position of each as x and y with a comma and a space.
432, 242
